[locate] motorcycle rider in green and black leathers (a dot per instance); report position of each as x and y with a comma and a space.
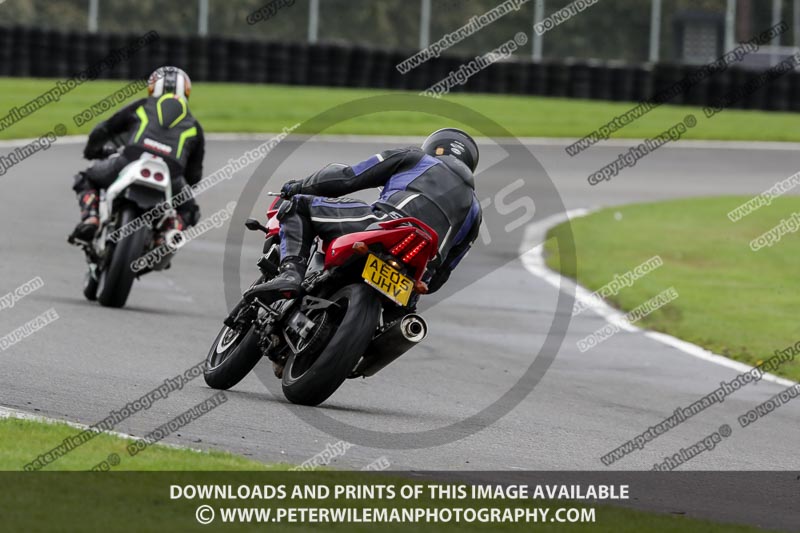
160, 124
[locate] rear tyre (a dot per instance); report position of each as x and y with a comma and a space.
312, 384
116, 279
232, 356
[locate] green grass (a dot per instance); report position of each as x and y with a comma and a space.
140, 501
22, 440
733, 301
270, 108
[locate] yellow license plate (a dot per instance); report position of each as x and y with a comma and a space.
387, 280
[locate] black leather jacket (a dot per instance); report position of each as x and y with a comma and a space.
173, 133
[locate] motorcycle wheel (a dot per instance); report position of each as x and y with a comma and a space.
232, 356
312, 382
116, 279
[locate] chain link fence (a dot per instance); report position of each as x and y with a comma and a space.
683, 31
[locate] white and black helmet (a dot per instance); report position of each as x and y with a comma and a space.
169, 80
455, 142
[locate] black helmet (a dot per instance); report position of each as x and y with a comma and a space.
455, 142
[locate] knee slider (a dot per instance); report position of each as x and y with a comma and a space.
287, 208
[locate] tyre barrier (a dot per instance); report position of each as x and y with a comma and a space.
36, 52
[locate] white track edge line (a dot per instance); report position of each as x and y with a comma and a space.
532, 257
7, 412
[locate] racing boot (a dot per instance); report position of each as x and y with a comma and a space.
277, 369
285, 285
86, 229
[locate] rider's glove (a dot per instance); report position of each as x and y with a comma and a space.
106, 152
290, 188
94, 152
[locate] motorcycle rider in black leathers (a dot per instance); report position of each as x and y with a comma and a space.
161, 124
433, 183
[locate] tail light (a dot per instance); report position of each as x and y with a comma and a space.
402, 245
412, 245
145, 172
414, 251
159, 176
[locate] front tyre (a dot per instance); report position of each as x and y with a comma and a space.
116, 279
311, 383
232, 356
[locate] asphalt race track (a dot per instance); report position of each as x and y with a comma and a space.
482, 338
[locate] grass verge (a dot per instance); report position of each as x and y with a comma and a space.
22, 440
88, 501
269, 108
140, 501
732, 300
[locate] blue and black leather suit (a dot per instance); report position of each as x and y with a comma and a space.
439, 191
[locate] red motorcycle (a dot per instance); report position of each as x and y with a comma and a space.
354, 316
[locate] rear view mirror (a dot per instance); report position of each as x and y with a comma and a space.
254, 225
